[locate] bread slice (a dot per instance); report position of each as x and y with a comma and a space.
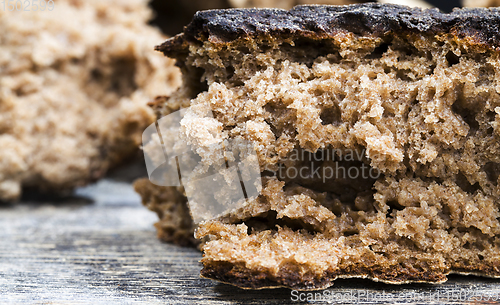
405, 101
75, 83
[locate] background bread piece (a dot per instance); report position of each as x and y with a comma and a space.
74, 83
414, 92
480, 3
412, 3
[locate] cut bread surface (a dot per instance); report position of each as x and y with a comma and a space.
377, 129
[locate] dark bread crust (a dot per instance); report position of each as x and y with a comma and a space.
240, 276
479, 25
292, 278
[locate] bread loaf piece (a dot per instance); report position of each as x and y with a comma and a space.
392, 113
75, 82
480, 3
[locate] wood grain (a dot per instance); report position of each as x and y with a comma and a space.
99, 247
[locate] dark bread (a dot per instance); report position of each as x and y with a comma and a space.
414, 92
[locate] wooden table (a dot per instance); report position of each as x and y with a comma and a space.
99, 246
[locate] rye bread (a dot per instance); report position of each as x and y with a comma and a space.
414, 94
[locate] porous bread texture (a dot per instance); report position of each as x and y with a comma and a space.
175, 224
422, 108
74, 86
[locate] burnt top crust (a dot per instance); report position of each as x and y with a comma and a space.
480, 25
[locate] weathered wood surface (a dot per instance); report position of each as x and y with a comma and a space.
103, 249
